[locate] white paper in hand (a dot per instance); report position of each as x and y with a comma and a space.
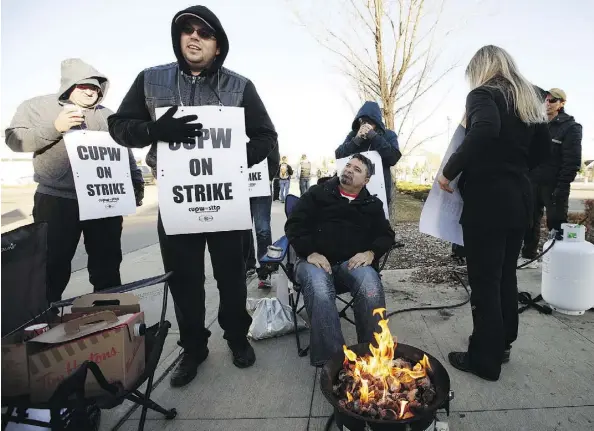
441, 213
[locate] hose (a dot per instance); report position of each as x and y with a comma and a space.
457, 274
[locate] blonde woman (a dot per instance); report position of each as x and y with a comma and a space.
506, 136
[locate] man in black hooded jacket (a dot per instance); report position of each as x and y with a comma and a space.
197, 78
552, 179
369, 133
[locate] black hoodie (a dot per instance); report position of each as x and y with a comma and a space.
130, 125
222, 40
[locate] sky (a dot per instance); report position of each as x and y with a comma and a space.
308, 99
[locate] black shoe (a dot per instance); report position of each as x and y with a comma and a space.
506, 352
187, 368
243, 353
250, 273
459, 360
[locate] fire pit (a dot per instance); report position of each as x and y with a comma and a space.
386, 386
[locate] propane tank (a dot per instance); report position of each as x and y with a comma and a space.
568, 272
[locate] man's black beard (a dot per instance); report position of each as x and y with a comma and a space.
346, 180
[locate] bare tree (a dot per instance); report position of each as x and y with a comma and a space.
388, 50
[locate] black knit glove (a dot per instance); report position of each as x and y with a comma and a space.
138, 193
178, 130
371, 134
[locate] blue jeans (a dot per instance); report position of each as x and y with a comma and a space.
319, 294
303, 185
284, 189
260, 207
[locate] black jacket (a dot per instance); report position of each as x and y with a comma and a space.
130, 125
494, 160
560, 169
324, 222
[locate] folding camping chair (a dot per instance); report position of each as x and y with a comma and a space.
69, 405
286, 261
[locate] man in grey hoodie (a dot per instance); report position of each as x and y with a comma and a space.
38, 127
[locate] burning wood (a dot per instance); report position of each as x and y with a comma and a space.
381, 387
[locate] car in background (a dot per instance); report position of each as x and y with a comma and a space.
147, 175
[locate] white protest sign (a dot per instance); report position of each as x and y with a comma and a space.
202, 186
258, 179
376, 185
441, 213
101, 170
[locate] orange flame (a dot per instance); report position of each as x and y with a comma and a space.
379, 366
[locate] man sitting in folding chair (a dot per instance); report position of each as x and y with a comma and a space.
339, 232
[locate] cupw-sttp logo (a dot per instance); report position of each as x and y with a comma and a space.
9, 247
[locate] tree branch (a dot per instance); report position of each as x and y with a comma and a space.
361, 17
406, 151
435, 81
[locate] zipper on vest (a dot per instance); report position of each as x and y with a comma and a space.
192, 91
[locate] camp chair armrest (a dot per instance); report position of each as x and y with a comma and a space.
384, 259
283, 244
122, 289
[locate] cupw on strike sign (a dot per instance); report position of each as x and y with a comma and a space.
202, 185
101, 170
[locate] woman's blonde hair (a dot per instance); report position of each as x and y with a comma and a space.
493, 67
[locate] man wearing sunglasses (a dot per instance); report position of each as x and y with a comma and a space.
198, 78
38, 127
552, 180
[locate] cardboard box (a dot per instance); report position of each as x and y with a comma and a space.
119, 303
15, 367
102, 337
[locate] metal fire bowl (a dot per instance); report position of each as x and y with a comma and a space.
438, 375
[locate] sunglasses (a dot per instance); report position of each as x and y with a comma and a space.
554, 100
202, 32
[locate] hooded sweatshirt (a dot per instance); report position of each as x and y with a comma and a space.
32, 130
382, 140
173, 84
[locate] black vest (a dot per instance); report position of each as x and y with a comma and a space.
166, 85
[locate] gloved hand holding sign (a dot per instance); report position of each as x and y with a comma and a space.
175, 130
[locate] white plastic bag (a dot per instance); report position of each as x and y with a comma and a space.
271, 318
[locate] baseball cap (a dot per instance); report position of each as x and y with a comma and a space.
187, 15
558, 93
89, 81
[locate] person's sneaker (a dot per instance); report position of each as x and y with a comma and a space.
506, 352
187, 368
523, 260
243, 353
264, 283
